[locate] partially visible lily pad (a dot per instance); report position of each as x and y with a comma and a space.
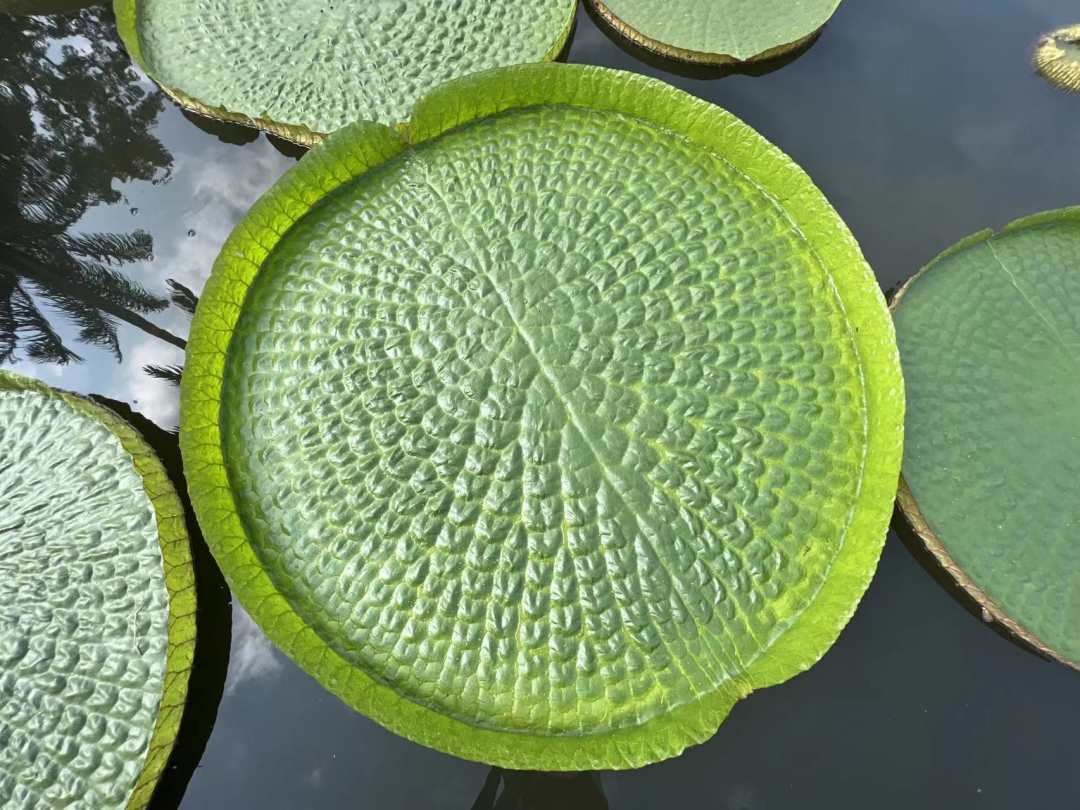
97, 605
1057, 58
548, 426
303, 68
718, 31
990, 345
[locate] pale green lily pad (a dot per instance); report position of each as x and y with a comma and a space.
989, 337
1057, 58
303, 68
718, 31
97, 605
545, 428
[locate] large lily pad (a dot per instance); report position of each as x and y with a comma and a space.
97, 605
718, 31
545, 428
1057, 58
988, 336
302, 68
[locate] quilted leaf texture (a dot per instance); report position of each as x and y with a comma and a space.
303, 68
545, 428
718, 31
97, 605
988, 337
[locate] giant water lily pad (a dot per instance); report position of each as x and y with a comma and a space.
718, 31
545, 428
988, 337
1057, 58
302, 68
97, 605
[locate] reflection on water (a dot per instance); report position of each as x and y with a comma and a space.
918, 704
530, 790
185, 300
73, 119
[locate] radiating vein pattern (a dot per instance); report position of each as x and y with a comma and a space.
327, 64
553, 423
83, 610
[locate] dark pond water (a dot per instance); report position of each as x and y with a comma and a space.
921, 120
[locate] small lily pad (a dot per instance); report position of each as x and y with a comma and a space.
718, 31
989, 339
546, 427
97, 605
1057, 58
303, 68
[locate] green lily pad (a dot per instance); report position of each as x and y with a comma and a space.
97, 605
988, 338
718, 31
1057, 58
303, 68
543, 429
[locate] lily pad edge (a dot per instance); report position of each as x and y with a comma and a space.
1048, 64
178, 572
905, 498
698, 57
126, 15
355, 149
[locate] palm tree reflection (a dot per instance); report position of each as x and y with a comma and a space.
74, 122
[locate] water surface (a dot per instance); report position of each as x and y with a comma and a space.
921, 120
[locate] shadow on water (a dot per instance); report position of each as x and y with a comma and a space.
75, 121
286, 147
224, 131
534, 790
690, 70
213, 620
235, 134
564, 54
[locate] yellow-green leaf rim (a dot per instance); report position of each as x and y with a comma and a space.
505, 118
179, 582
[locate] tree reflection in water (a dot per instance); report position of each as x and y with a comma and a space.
75, 121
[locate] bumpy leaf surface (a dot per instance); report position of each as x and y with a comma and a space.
317, 65
988, 336
1057, 58
542, 435
718, 30
96, 605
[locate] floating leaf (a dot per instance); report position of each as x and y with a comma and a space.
545, 428
718, 31
988, 338
1057, 58
300, 68
97, 605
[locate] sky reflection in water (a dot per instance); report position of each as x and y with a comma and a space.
923, 122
